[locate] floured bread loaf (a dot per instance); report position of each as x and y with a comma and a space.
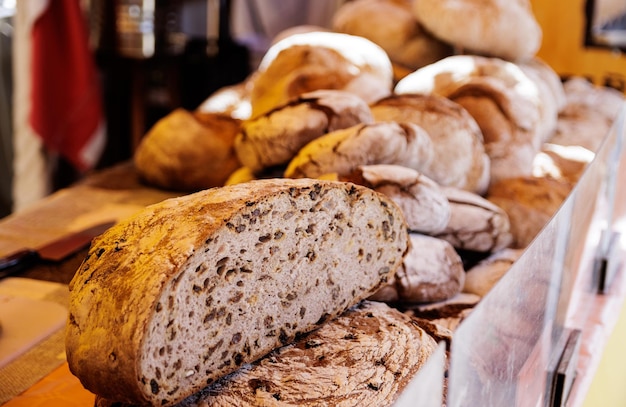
188, 151
460, 159
366, 356
275, 137
529, 202
501, 28
502, 99
588, 115
308, 61
551, 94
564, 163
392, 25
231, 100
481, 278
192, 288
342, 151
425, 206
476, 224
432, 271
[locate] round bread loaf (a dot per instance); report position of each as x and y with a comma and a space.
304, 62
565, 163
481, 278
588, 115
476, 224
275, 137
551, 94
342, 151
190, 289
459, 157
504, 102
529, 202
231, 100
366, 356
187, 151
392, 25
501, 28
432, 271
425, 206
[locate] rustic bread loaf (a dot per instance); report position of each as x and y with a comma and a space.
502, 99
476, 224
565, 163
308, 61
502, 28
588, 115
275, 137
425, 207
231, 100
460, 159
188, 151
192, 288
551, 94
366, 356
392, 25
481, 278
432, 271
529, 202
342, 151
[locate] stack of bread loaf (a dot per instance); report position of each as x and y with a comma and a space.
365, 185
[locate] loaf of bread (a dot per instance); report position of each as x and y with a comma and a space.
502, 28
551, 94
308, 61
563, 163
476, 224
275, 137
432, 271
392, 25
188, 151
425, 206
459, 159
342, 151
230, 100
502, 99
481, 278
588, 114
529, 202
364, 357
192, 288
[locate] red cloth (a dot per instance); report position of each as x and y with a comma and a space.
66, 110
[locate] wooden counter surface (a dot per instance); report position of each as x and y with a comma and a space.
110, 194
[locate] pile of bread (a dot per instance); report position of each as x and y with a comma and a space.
358, 194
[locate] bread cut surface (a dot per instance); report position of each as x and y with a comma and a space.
190, 289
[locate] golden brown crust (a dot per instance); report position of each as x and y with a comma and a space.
275, 137
459, 157
310, 61
187, 151
529, 202
502, 28
405, 41
145, 318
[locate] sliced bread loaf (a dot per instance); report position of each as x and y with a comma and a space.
190, 289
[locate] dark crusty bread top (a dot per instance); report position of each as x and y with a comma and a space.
190, 289
365, 357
